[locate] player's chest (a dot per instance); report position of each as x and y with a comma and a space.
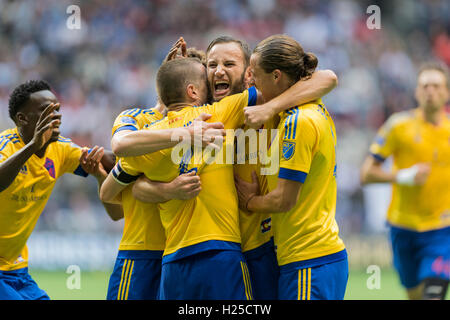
426, 143
37, 176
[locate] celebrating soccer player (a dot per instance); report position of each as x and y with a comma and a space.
32, 157
302, 198
419, 213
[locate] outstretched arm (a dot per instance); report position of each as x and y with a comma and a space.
320, 83
135, 143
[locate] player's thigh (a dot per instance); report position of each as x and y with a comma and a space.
324, 282
211, 275
20, 287
405, 257
135, 279
264, 274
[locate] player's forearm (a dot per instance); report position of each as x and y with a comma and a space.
372, 172
273, 202
137, 143
320, 83
10, 168
114, 211
149, 191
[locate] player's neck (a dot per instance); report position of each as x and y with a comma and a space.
178, 106
433, 116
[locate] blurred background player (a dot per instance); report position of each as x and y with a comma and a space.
32, 157
302, 194
419, 214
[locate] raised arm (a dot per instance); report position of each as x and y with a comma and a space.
48, 122
320, 83
136, 143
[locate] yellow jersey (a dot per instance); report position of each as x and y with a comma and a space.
409, 139
256, 228
142, 228
25, 199
307, 149
210, 220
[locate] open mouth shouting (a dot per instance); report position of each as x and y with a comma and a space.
221, 88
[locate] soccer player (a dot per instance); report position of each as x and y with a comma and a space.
419, 214
32, 157
302, 198
137, 271
228, 73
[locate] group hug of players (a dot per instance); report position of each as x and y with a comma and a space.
215, 230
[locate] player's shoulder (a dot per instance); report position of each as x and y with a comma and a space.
8, 138
64, 142
398, 119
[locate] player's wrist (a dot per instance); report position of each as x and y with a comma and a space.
407, 176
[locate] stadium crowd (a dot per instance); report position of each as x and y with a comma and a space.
111, 62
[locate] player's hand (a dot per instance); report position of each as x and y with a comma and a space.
91, 161
423, 171
173, 52
416, 175
47, 126
205, 133
185, 186
256, 116
246, 190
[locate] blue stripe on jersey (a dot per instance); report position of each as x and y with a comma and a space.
252, 96
135, 114
378, 157
294, 175
5, 142
295, 124
128, 127
201, 247
148, 111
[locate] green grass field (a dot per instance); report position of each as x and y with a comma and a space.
93, 286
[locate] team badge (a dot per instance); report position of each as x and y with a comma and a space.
266, 225
288, 149
50, 166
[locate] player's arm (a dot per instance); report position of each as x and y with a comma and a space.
282, 199
373, 172
183, 187
93, 162
128, 143
48, 122
320, 83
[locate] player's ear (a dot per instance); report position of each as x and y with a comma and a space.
192, 91
21, 119
248, 78
276, 74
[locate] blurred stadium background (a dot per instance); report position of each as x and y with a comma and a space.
111, 62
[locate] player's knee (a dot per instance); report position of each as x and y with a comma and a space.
434, 288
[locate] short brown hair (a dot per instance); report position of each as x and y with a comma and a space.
435, 65
193, 52
227, 39
174, 76
285, 54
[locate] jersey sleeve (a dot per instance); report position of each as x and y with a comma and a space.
230, 110
298, 148
71, 160
127, 120
384, 143
6, 148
